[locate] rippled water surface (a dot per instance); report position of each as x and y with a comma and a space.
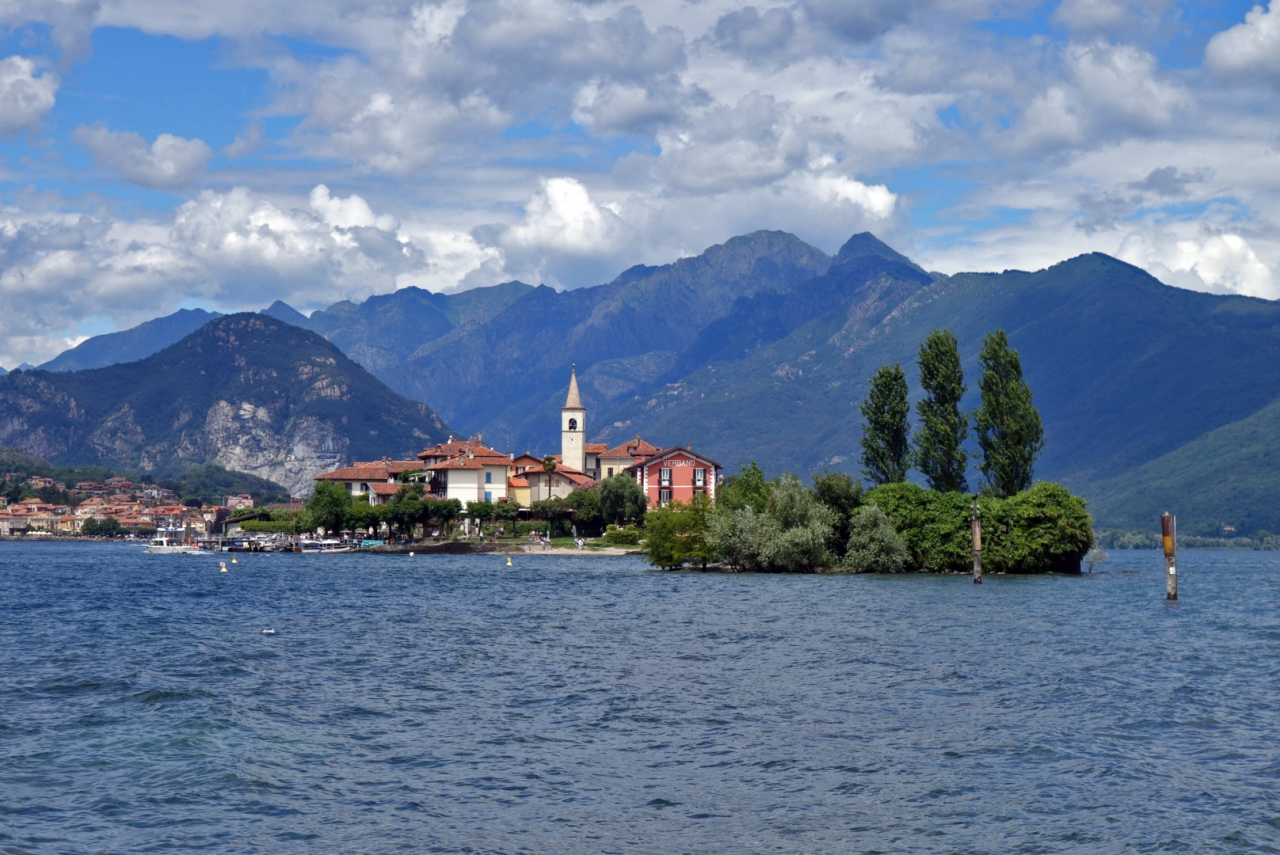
590, 705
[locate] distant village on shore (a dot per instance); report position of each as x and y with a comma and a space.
462, 469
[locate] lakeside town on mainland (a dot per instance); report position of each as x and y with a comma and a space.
465, 470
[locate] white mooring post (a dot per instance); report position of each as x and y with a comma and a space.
1169, 532
976, 516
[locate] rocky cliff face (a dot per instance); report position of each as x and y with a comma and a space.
249, 392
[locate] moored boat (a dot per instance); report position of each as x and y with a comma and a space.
163, 545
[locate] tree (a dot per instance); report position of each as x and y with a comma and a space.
886, 446
328, 506
843, 495
588, 513
939, 440
746, 489
622, 499
678, 534
549, 466
1010, 435
790, 536
874, 545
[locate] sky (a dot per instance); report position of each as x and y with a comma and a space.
159, 155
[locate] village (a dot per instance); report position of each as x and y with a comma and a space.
465, 470
470, 472
138, 509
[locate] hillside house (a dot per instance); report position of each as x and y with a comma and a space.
377, 479
676, 475
466, 470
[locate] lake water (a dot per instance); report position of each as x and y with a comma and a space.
590, 705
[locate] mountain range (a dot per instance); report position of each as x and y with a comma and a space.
1153, 397
245, 391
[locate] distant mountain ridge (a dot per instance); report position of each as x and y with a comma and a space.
245, 391
131, 344
762, 347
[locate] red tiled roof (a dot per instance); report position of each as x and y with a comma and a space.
359, 472
385, 489
634, 449
460, 462
595, 447
679, 448
456, 447
518, 482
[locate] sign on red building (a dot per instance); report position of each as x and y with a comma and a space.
676, 475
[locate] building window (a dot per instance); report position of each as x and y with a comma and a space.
610, 472
488, 477
664, 477
664, 497
699, 477
573, 424
488, 497
364, 488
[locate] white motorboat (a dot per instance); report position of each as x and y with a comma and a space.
163, 545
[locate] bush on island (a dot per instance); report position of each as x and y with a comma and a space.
874, 546
677, 534
1041, 530
789, 536
616, 536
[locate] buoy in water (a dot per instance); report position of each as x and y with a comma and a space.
268, 632
410, 554
233, 561
222, 565
508, 560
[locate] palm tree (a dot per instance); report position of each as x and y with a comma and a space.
549, 466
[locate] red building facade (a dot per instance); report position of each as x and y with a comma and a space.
676, 475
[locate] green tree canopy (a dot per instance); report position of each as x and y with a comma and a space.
747, 489
329, 505
678, 534
886, 443
943, 429
843, 495
1010, 435
622, 499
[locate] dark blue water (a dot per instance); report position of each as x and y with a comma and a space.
589, 705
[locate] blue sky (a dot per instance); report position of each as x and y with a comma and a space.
225, 155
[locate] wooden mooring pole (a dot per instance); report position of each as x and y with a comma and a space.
976, 516
1169, 533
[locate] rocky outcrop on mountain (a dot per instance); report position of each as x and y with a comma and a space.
249, 392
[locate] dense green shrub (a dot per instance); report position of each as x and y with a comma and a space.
615, 536
269, 526
789, 536
874, 546
1041, 530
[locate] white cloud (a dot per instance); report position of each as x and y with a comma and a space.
562, 217
1221, 264
25, 96
1249, 49
1112, 91
347, 213
169, 163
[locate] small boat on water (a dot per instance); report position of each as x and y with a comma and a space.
324, 547
163, 545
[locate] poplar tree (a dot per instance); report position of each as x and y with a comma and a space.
939, 440
886, 444
1010, 435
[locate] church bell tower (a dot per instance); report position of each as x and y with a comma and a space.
573, 427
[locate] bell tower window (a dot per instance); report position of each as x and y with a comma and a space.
573, 424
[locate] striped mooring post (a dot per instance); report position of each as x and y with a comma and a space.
976, 516
1169, 535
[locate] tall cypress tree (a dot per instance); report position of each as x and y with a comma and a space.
886, 445
939, 440
1010, 435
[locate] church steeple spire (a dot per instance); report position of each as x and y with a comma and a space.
573, 401
573, 427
